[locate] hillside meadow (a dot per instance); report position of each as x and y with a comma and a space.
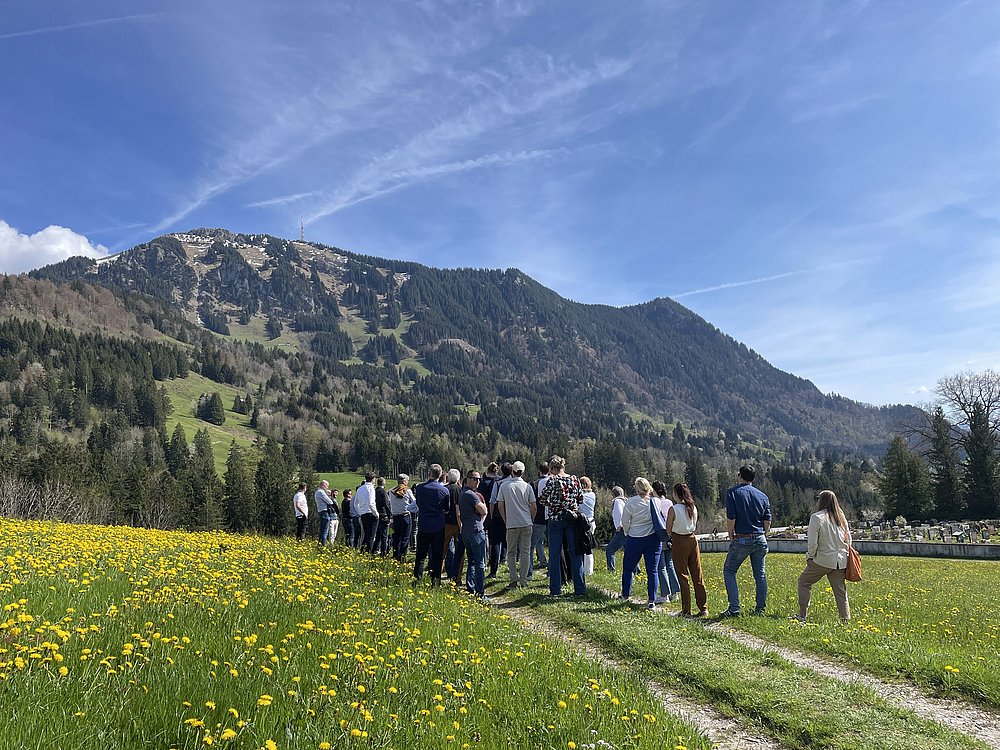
123, 637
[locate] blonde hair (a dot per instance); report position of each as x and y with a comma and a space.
827, 500
642, 486
586, 483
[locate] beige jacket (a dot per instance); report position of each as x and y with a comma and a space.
826, 546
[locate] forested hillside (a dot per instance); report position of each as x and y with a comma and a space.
338, 361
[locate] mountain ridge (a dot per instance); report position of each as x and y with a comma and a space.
489, 329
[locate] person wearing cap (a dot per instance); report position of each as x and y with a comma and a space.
516, 506
471, 512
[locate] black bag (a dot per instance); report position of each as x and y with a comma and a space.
661, 528
585, 541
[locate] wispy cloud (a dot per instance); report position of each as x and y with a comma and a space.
715, 127
83, 25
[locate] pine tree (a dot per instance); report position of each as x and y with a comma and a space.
204, 483
178, 453
905, 483
946, 473
215, 412
981, 467
273, 483
239, 499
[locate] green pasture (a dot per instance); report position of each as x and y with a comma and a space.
184, 393
932, 621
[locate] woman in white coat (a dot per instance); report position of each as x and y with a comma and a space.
826, 554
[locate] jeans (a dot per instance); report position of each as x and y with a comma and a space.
357, 532
300, 527
562, 534
636, 547
537, 546
616, 543
475, 548
430, 544
324, 525
740, 549
369, 525
401, 526
667, 575
519, 546
497, 535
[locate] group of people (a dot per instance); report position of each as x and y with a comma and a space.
462, 528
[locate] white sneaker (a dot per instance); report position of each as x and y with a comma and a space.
663, 599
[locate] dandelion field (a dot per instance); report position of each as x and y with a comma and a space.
120, 637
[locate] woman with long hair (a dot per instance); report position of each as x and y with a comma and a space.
826, 554
682, 521
669, 586
641, 539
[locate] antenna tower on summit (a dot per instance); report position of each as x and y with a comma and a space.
302, 230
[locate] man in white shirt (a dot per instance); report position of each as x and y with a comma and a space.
367, 511
301, 507
516, 506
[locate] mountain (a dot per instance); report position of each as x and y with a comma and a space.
457, 352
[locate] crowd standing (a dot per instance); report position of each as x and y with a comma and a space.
462, 528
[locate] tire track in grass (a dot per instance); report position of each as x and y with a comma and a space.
956, 714
725, 732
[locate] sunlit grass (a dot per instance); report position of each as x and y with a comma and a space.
120, 637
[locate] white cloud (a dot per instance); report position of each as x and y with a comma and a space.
23, 252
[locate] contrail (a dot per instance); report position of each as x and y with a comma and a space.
765, 279
82, 25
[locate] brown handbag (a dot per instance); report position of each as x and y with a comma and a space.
853, 572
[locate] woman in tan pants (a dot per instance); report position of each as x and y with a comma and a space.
682, 520
826, 554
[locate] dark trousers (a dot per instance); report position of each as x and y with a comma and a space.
300, 527
382, 537
401, 526
349, 531
369, 525
429, 545
453, 557
359, 532
498, 542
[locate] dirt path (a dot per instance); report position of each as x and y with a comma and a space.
725, 732
956, 714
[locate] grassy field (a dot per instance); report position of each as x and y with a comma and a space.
341, 480
120, 637
796, 706
932, 621
184, 393
255, 332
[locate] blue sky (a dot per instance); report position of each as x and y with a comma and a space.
818, 179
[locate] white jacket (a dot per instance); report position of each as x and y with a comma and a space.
826, 545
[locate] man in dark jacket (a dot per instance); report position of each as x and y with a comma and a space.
433, 500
